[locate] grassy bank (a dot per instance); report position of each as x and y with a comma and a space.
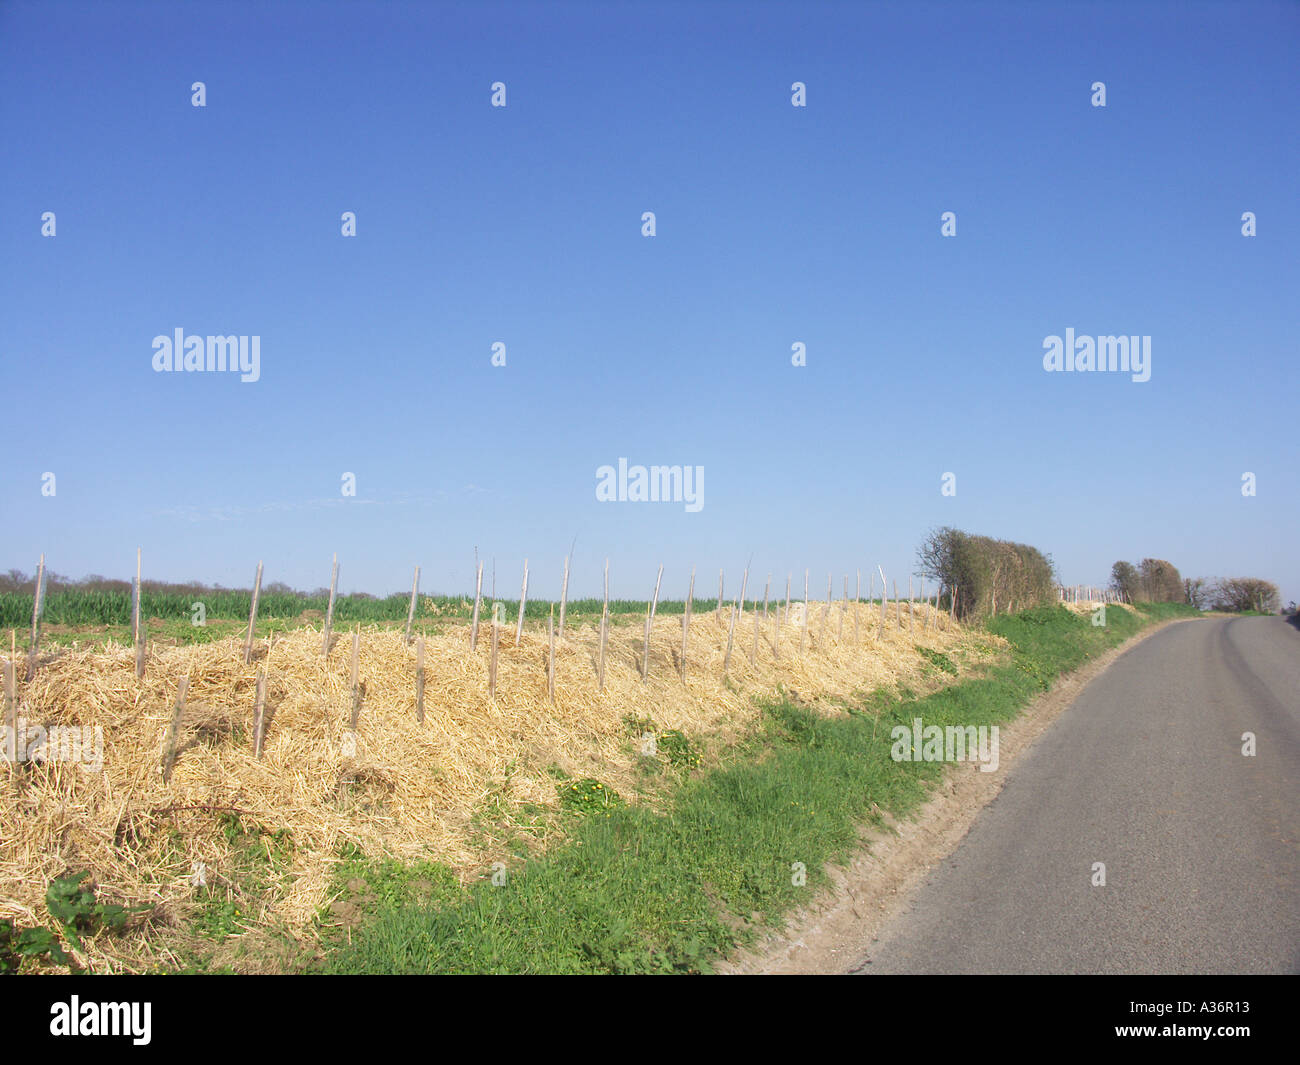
641, 890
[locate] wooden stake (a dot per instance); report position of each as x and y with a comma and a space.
787, 598
911, 608
410, 613
857, 597
419, 680
173, 730
478, 598
329, 611
884, 603
550, 665
604, 636
252, 616
731, 629
686, 622
744, 585
38, 609
604, 630
356, 686
649, 624
523, 598
564, 595
492, 661
11, 714
259, 713
135, 601
654, 602
753, 650
844, 605
766, 589
645, 651
826, 609
803, 633
139, 659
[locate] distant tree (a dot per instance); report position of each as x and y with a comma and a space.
15, 581
989, 576
935, 555
1195, 591
1238, 594
1160, 581
1124, 579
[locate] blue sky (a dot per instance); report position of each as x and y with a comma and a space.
522, 224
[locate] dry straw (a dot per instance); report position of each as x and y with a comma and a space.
397, 786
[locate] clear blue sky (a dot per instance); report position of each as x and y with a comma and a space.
522, 224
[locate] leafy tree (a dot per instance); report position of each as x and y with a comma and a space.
1238, 594
1124, 579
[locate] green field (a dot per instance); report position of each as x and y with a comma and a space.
88, 616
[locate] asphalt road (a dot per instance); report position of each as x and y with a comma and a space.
1144, 772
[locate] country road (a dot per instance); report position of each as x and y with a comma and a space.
1145, 773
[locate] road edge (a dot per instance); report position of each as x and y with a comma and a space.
835, 932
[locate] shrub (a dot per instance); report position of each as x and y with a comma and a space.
1239, 594
988, 575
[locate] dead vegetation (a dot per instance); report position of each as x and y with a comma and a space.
456, 788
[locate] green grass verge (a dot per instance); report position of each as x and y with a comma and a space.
636, 891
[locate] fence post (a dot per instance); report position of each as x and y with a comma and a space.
564, 595
550, 665
173, 730
523, 598
803, 633
731, 629
478, 598
604, 630
649, 624
11, 715
686, 622
419, 680
884, 602
259, 713
252, 616
38, 608
410, 613
355, 682
329, 611
137, 628
492, 661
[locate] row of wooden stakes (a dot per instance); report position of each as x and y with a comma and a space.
780, 616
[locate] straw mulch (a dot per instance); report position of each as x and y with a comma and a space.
448, 789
